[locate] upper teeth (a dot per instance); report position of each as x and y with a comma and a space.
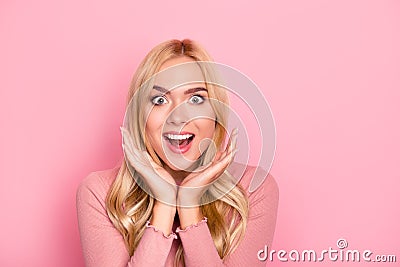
179, 136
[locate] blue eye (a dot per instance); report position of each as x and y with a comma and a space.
159, 100
196, 99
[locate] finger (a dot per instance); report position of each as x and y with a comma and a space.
204, 167
132, 159
128, 147
150, 160
234, 143
231, 149
219, 167
227, 159
213, 173
217, 156
226, 151
233, 139
126, 137
135, 156
124, 133
230, 141
128, 141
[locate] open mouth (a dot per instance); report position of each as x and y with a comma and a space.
179, 140
178, 143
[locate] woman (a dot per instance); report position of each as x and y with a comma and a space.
178, 198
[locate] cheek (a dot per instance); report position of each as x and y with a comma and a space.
206, 132
154, 124
155, 120
206, 127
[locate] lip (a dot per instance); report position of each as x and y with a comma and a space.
180, 149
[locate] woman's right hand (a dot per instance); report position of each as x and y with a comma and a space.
161, 183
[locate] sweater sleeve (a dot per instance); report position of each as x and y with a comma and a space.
198, 245
102, 244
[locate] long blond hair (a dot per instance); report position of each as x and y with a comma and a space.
129, 206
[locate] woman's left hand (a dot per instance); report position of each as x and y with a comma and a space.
195, 184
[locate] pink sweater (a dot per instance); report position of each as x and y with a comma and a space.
103, 245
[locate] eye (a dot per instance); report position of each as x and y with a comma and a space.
159, 100
196, 99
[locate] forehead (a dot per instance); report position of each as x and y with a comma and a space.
179, 71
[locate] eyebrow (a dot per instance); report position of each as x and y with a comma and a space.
161, 89
189, 91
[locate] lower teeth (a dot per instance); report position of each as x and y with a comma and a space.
179, 143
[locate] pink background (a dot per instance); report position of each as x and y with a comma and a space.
329, 69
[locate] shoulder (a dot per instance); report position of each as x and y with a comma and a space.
263, 201
96, 185
249, 174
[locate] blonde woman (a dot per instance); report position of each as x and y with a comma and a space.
177, 198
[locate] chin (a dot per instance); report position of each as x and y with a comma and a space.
182, 165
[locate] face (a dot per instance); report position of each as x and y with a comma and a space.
181, 121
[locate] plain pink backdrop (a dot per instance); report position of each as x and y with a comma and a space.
329, 69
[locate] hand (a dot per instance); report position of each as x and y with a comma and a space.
195, 184
160, 182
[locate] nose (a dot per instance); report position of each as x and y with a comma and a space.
179, 115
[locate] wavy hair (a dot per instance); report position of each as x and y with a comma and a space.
127, 203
